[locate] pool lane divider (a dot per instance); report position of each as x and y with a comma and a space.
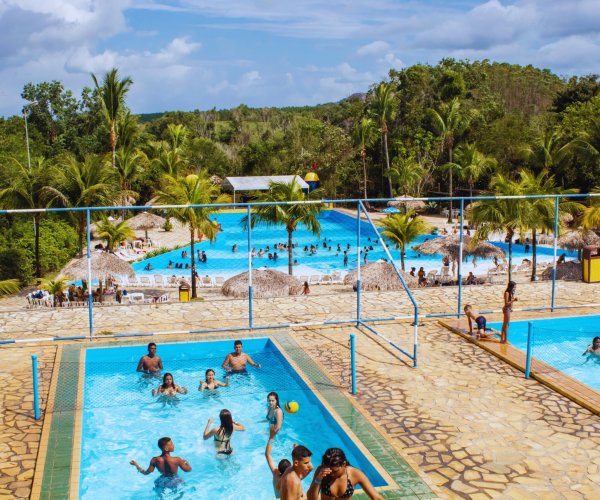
545, 374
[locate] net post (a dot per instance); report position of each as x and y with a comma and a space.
529, 342
353, 362
36, 399
554, 253
357, 263
460, 255
249, 267
89, 269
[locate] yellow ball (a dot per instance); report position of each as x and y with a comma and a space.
291, 406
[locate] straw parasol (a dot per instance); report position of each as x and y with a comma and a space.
379, 276
408, 202
104, 264
144, 221
576, 240
570, 271
450, 245
265, 283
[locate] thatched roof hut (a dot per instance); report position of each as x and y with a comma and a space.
576, 240
568, 271
407, 202
379, 276
265, 283
450, 246
144, 221
104, 264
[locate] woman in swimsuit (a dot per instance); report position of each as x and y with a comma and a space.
211, 383
274, 413
169, 387
593, 349
222, 434
509, 299
335, 478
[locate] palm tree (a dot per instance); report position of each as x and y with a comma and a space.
193, 190
113, 234
128, 166
9, 286
288, 215
450, 122
82, 184
549, 149
402, 229
364, 134
27, 189
54, 287
471, 164
112, 94
384, 110
170, 155
591, 215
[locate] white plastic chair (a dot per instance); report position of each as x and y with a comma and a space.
159, 280
145, 281
219, 281
315, 279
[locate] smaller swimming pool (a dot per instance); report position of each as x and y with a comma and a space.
560, 342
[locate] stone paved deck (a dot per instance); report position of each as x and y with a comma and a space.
469, 421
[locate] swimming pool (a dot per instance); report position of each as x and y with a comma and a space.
560, 343
121, 422
336, 227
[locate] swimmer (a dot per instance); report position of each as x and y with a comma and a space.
479, 320
279, 470
167, 465
169, 387
222, 434
274, 413
150, 363
593, 348
290, 484
236, 361
211, 383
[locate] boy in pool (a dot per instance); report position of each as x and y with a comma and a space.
236, 361
479, 320
166, 465
279, 470
150, 363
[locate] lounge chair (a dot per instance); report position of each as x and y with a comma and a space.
431, 277
163, 298
206, 281
159, 280
336, 278
326, 279
303, 279
445, 276
219, 281
145, 281
315, 279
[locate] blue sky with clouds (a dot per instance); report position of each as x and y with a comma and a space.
200, 54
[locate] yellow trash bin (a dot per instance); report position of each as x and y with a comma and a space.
590, 264
184, 292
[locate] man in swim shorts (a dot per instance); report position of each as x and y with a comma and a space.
150, 363
236, 361
290, 484
166, 465
479, 320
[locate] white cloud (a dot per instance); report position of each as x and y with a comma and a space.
373, 49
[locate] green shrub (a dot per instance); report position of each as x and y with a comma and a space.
167, 226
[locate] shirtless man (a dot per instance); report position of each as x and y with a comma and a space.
166, 465
236, 361
479, 320
150, 363
290, 484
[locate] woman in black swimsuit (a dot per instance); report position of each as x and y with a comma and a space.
335, 478
509, 299
222, 434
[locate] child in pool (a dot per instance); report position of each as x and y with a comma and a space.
169, 387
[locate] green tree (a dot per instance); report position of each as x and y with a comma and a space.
113, 234
407, 174
471, 164
290, 214
8, 286
591, 214
383, 109
401, 229
364, 135
193, 190
112, 94
54, 287
128, 166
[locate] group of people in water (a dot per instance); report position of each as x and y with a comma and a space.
334, 478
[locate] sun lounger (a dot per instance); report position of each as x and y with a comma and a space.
431, 277
445, 276
219, 281
159, 280
326, 279
336, 278
315, 279
163, 298
145, 281
206, 281
303, 279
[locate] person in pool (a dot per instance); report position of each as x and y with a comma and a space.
167, 465
211, 383
335, 478
479, 320
274, 413
235, 362
150, 363
276, 470
169, 387
222, 434
594, 348
290, 484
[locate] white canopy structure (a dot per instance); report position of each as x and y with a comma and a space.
258, 183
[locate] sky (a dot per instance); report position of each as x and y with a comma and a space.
204, 54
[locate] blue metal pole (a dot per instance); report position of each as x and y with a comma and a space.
89, 263
554, 258
358, 263
36, 400
529, 342
249, 267
353, 362
460, 256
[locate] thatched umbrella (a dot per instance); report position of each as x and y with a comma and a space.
144, 221
570, 271
576, 240
265, 283
450, 246
408, 202
379, 276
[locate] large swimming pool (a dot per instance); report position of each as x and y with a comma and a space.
122, 421
337, 228
560, 343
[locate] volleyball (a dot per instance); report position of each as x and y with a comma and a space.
291, 406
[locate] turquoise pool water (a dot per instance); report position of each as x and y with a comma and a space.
560, 343
335, 226
122, 421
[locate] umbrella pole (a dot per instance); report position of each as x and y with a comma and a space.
89, 266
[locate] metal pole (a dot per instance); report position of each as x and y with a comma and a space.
249, 267
460, 255
529, 342
36, 400
358, 263
554, 255
353, 362
89, 266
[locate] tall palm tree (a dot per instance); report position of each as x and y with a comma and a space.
591, 214
450, 122
383, 108
402, 229
113, 234
9, 286
27, 189
364, 135
407, 174
288, 215
170, 155
112, 94
128, 167
549, 149
471, 164
193, 190
82, 184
